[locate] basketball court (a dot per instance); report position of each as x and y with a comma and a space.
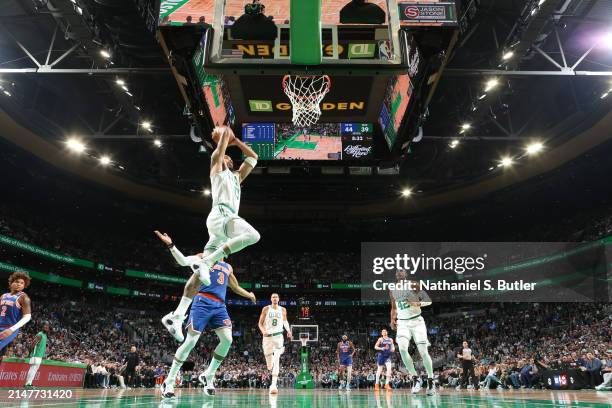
322, 398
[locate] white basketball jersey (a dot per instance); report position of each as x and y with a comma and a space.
225, 187
405, 311
274, 320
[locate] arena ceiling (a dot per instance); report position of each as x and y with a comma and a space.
106, 75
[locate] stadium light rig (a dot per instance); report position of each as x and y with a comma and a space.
465, 127
75, 145
120, 82
105, 160
507, 55
105, 54
157, 143
206, 192
492, 83
406, 192
534, 148
506, 162
454, 143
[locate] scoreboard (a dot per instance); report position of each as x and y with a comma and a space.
261, 137
356, 140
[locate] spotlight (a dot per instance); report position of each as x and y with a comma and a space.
75, 145
105, 54
137, 107
506, 162
129, 93
541, 2
466, 126
206, 192
454, 143
406, 192
146, 124
534, 148
7, 93
125, 88
481, 97
508, 55
157, 143
492, 83
105, 160
120, 82
603, 96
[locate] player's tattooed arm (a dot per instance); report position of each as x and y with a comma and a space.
26, 304
237, 289
262, 319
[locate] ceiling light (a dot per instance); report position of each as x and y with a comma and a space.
146, 124
534, 148
603, 96
129, 93
157, 143
137, 107
466, 126
492, 83
125, 88
206, 192
506, 162
120, 82
481, 97
508, 55
105, 54
7, 93
454, 143
406, 192
105, 160
75, 145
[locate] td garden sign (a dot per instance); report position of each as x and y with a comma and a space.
269, 106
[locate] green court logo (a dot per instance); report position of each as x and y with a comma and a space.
260, 106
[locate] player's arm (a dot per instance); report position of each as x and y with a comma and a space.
424, 299
216, 159
377, 345
35, 341
286, 324
237, 289
26, 313
352, 348
338, 351
392, 346
176, 253
393, 312
262, 320
249, 162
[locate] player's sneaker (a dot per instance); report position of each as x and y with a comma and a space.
167, 391
388, 387
273, 390
208, 383
340, 386
174, 324
348, 386
416, 387
431, 387
376, 387
202, 269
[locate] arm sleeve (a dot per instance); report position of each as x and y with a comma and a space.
26, 318
182, 259
286, 325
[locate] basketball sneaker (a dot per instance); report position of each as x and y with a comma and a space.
348, 386
208, 383
167, 391
273, 389
202, 269
174, 324
431, 387
376, 387
388, 387
416, 387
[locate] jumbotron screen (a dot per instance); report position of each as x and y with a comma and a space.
395, 104
322, 141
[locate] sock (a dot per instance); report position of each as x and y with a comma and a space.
427, 363
213, 366
176, 366
377, 377
349, 375
183, 305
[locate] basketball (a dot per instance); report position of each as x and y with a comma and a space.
217, 132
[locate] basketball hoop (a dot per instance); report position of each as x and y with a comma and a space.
306, 93
304, 337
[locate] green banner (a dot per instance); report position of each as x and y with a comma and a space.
15, 243
168, 7
154, 276
44, 362
42, 276
118, 291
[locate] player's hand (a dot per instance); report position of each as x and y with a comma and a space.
5, 334
165, 238
289, 335
264, 333
393, 325
253, 298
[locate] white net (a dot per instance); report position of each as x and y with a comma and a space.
306, 93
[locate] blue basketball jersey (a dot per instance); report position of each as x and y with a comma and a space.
386, 342
219, 275
345, 349
10, 310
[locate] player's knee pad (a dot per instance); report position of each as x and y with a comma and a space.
225, 341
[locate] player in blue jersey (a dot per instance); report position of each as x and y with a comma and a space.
15, 309
345, 353
208, 310
385, 347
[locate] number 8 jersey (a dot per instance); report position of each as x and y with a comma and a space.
274, 320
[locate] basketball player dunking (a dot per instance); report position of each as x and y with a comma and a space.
407, 320
228, 233
345, 353
385, 348
272, 320
15, 309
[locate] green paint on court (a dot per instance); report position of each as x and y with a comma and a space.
291, 143
324, 399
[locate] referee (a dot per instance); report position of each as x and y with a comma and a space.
467, 364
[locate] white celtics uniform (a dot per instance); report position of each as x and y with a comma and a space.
225, 187
273, 325
410, 323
